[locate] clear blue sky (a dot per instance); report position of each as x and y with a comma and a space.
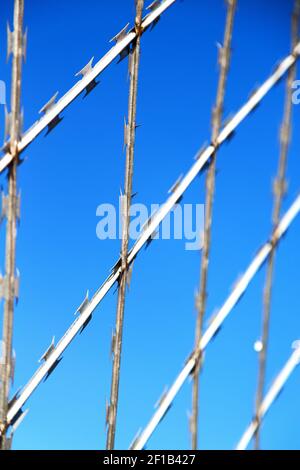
81, 165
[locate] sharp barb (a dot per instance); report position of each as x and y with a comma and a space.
53, 124
49, 104
91, 86
85, 324
52, 368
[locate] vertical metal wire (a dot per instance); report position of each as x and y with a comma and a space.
130, 130
279, 192
224, 61
9, 282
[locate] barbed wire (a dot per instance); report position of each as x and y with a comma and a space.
279, 191
51, 110
126, 42
216, 323
224, 61
130, 130
9, 284
86, 309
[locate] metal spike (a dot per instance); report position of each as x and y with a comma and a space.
52, 368
135, 439
83, 304
166, 412
86, 69
8, 117
18, 418
175, 185
17, 286
152, 7
113, 342
13, 366
126, 134
231, 136
227, 120
107, 413
121, 35
212, 317
14, 398
124, 54
296, 344
49, 104
18, 207
2, 357
280, 187
150, 239
87, 321
161, 398
148, 221
53, 124
90, 87
116, 266
3, 285
118, 38
251, 95
197, 301
218, 330
48, 351
221, 55
24, 45
8, 441
129, 275
10, 41
44, 110
236, 282
4, 207
129, 65
206, 165
20, 126
123, 207
190, 356
276, 66
192, 372
200, 152
284, 134
21, 121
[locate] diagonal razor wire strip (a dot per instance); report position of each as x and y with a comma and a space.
215, 325
270, 397
149, 229
88, 78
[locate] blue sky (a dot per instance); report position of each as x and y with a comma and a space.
81, 165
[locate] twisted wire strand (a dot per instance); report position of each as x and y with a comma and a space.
118, 335
224, 62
